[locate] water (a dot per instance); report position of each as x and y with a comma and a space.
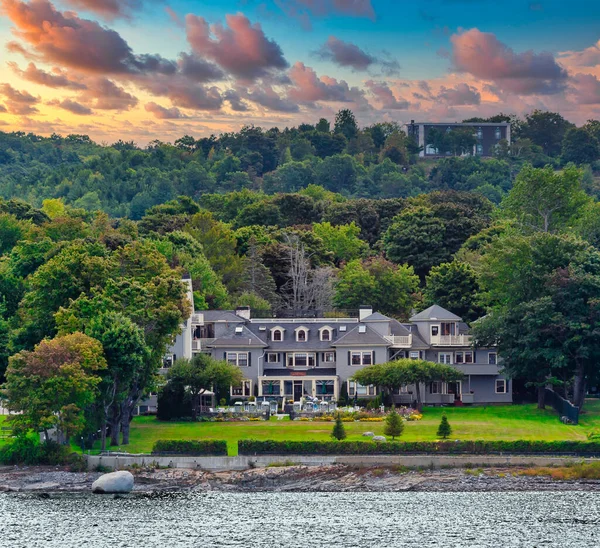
340, 520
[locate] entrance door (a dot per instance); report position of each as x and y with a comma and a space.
297, 390
456, 389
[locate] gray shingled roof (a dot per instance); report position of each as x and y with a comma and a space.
417, 342
354, 337
245, 338
220, 316
312, 372
376, 317
435, 312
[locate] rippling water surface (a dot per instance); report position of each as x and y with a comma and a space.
340, 520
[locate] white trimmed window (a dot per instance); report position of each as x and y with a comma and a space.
413, 354
272, 357
361, 358
244, 389
436, 387
326, 333
328, 357
355, 389
301, 334
168, 361
464, 357
277, 334
238, 358
445, 357
492, 358
501, 387
301, 359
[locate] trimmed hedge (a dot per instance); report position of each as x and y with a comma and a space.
270, 447
213, 448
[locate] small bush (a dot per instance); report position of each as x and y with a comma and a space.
338, 432
191, 447
444, 430
28, 450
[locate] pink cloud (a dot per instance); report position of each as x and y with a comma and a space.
308, 87
240, 47
163, 113
55, 79
383, 94
108, 9
484, 56
71, 106
586, 89
18, 102
461, 94
345, 54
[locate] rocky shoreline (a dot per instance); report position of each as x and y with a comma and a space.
290, 478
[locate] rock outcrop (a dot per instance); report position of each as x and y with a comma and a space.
115, 482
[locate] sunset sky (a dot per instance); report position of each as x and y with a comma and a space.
159, 69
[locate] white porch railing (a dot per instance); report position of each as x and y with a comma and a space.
451, 340
201, 344
401, 341
198, 319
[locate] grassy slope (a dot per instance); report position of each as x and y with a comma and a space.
503, 423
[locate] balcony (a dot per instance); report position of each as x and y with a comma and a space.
197, 319
198, 345
401, 341
451, 340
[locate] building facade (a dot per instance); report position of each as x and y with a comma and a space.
487, 136
296, 358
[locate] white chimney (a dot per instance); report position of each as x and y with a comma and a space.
364, 312
243, 312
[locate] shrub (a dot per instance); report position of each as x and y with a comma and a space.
28, 450
339, 432
394, 425
444, 430
271, 447
191, 447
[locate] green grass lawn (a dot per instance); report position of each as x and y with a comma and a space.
511, 422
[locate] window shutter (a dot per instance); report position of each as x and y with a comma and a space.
373, 357
174, 358
316, 359
249, 359
225, 356
474, 359
349, 357
278, 357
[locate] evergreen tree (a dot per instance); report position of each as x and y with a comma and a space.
394, 425
339, 432
444, 430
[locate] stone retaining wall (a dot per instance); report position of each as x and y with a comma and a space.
224, 464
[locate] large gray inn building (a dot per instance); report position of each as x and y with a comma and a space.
295, 358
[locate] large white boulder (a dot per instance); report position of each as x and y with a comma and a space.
115, 482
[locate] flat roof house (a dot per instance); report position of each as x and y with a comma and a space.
292, 358
487, 135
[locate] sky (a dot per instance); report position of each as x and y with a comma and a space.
158, 69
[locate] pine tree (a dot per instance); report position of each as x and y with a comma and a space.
394, 425
339, 432
444, 430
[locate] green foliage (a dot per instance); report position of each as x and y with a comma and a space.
338, 432
444, 429
342, 241
394, 425
26, 450
580, 147
270, 447
216, 448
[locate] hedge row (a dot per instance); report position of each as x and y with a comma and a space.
194, 448
270, 447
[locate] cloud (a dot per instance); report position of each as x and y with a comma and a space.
267, 97
484, 56
3, 108
71, 106
70, 41
163, 113
345, 54
182, 92
235, 101
55, 79
308, 87
18, 102
108, 9
586, 89
589, 57
198, 69
303, 10
383, 94
240, 48
104, 94
460, 95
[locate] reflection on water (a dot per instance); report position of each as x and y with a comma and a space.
448, 520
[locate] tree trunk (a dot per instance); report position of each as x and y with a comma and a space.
579, 385
419, 402
115, 425
125, 422
103, 435
541, 397
195, 399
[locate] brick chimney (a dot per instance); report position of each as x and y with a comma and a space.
364, 312
243, 312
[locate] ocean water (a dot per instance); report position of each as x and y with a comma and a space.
340, 520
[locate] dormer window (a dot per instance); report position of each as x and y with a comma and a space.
326, 333
301, 334
277, 334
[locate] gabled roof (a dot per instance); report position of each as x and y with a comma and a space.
435, 312
369, 338
376, 317
220, 316
245, 339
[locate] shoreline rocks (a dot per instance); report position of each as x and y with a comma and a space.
114, 483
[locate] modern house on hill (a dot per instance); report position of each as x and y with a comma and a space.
292, 358
487, 135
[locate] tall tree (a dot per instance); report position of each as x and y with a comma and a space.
345, 123
580, 147
546, 129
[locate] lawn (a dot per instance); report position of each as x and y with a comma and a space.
515, 422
